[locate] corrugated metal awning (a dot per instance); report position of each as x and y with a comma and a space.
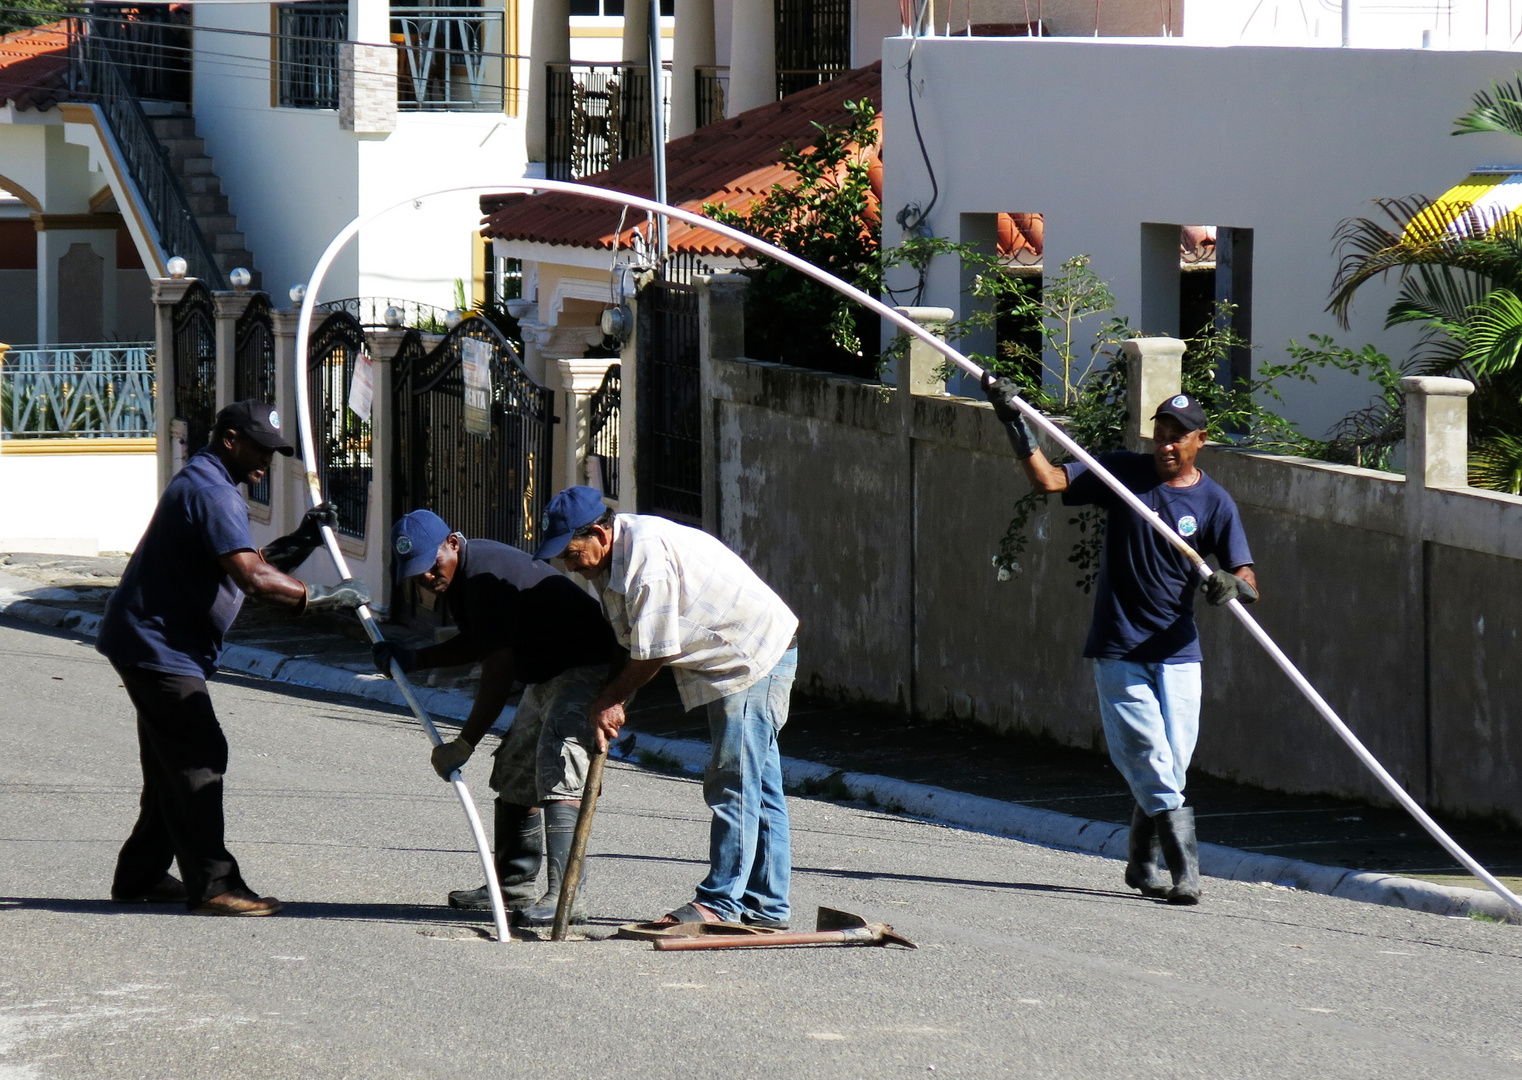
1485, 199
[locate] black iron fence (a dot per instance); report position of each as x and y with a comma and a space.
712, 93
254, 369
96, 391
152, 44
193, 322
487, 474
342, 438
602, 432
598, 115
308, 38
670, 457
813, 42
100, 66
371, 312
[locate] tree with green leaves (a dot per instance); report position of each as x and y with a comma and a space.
1460, 279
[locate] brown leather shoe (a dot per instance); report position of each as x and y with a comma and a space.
239, 902
170, 890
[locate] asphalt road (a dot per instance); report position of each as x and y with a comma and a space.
1032, 962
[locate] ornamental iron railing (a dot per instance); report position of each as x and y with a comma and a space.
152, 45
712, 93
194, 373
308, 39
669, 426
98, 71
370, 311
102, 391
254, 370
342, 438
452, 58
813, 42
598, 115
490, 481
602, 431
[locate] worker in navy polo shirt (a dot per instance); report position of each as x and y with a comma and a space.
1143, 639
163, 631
528, 623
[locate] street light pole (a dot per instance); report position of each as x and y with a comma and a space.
657, 129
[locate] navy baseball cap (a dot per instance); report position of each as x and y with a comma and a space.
415, 542
1185, 409
256, 419
572, 509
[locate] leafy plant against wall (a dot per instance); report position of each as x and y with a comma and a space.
826, 216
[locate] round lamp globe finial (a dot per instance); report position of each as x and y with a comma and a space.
177, 266
453, 319
393, 317
240, 278
298, 293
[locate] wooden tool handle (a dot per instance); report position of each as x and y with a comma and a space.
802, 937
571, 878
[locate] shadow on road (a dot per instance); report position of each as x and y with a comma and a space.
418, 913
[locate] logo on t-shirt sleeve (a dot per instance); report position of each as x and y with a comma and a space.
1188, 526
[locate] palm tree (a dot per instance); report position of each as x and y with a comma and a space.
1460, 272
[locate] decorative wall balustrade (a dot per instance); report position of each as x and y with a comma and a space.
371, 312
712, 93
451, 58
93, 391
598, 115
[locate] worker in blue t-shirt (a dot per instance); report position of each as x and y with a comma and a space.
163, 631
1142, 639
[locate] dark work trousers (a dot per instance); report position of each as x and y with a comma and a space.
184, 755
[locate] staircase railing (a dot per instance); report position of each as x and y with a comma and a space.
95, 71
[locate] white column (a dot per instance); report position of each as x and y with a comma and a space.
229, 307
167, 292
636, 30
580, 379
549, 43
752, 56
692, 48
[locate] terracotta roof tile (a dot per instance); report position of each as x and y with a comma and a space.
730, 162
33, 64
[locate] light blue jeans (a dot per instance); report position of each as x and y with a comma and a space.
749, 854
1151, 715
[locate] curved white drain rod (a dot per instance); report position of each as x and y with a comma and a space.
910, 327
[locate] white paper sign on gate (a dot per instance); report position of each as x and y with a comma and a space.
475, 357
362, 387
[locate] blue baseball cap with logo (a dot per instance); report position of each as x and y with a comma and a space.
415, 542
572, 509
1184, 408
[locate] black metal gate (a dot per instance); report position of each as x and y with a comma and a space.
254, 369
342, 439
813, 42
670, 459
602, 430
493, 486
195, 365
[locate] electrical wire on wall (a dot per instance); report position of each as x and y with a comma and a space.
913, 219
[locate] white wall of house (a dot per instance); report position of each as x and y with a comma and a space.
107, 499
1462, 24
1104, 138
295, 178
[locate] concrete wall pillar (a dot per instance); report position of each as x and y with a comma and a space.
752, 56
549, 43
721, 336
1437, 432
383, 347
692, 48
229, 306
579, 380
1155, 373
920, 371
167, 292
288, 496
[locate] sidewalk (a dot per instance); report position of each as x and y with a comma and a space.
1021, 787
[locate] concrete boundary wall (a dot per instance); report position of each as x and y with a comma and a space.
877, 513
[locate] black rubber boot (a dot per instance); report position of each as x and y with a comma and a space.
559, 830
520, 850
1142, 870
1175, 832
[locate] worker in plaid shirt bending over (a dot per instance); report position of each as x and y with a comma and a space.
677, 596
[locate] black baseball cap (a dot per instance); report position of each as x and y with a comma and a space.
1185, 409
259, 421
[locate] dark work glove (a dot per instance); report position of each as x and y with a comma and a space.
290, 551
1020, 436
1224, 586
345, 597
449, 756
383, 652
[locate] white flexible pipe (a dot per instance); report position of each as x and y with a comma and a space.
913, 329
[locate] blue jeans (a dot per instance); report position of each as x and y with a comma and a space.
1151, 715
750, 862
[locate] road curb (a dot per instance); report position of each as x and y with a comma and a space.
935, 804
